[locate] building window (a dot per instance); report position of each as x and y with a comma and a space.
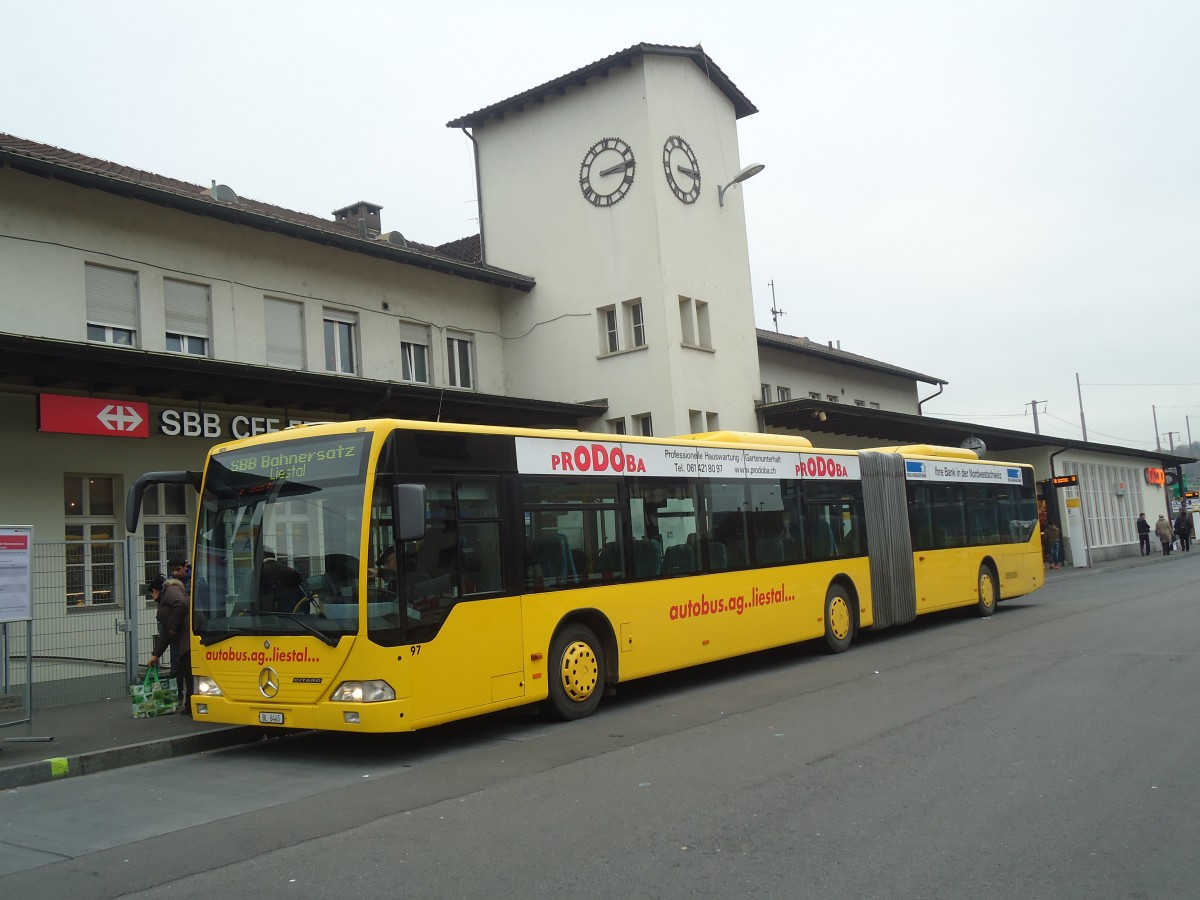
695, 421
693, 323
609, 335
714, 421
414, 353
860, 402
766, 393
187, 311
164, 529
617, 426
814, 395
112, 305
637, 327
341, 342
92, 552
644, 426
284, 321
832, 398
785, 393
874, 405
460, 372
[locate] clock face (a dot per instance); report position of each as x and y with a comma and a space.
606, 173
681, 168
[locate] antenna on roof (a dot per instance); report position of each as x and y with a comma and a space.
776, 312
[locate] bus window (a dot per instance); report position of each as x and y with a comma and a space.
834, 517
662, 516
572, 533
725, 537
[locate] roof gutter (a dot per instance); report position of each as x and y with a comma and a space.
478, 197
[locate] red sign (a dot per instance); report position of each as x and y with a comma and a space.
1155, 475
93, 415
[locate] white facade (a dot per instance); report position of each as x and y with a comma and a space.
687, 264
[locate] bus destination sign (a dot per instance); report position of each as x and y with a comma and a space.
309, 459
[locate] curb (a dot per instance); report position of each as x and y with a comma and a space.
60, 767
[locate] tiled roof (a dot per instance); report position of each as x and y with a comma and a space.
69, 166
600, 68
803, 345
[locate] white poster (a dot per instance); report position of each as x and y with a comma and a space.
16, 597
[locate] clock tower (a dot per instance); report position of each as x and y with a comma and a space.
604, 186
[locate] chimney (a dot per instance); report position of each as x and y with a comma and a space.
362, 216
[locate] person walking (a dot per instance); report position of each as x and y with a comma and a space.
172, 617
1054, 545
1183, 531
1143, 530
1163, 531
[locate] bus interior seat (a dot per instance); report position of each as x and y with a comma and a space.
718, 558
647, 558
679, 559
768, 551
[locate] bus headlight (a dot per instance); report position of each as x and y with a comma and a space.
206, 687
364, 692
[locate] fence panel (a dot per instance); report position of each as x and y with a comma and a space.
81, 593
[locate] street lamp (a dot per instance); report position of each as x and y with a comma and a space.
749, 172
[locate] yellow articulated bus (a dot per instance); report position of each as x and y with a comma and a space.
389, 575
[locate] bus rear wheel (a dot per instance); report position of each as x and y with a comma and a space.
987, 591
839, 619
577, 672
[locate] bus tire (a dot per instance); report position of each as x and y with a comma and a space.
839, 619
576, 673
986, 604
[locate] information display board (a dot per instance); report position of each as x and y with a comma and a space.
16, 595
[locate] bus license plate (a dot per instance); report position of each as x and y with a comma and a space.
270, 718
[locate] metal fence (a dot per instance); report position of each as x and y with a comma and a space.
92, 623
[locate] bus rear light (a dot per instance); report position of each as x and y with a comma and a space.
363, 692
206, 687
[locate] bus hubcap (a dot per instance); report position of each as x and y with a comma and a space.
580, 672
839, 617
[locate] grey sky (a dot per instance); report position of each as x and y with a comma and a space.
1000, 194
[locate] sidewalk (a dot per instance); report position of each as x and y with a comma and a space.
94, 737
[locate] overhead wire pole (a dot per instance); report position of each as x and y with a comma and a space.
1034, 404
1157, 436
1079, 393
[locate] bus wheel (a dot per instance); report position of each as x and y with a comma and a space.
987, 591
577, 676
839, 619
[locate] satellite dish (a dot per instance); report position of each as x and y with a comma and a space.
975, 444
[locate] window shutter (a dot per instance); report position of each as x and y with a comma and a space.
285, 333
111, 297
187, 307
411, 333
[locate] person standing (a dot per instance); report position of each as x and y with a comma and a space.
1183, 530
172, 617
1143, 530
1054, 545
1163, 531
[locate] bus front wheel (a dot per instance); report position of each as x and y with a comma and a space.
987, 591
577, 672
839, 619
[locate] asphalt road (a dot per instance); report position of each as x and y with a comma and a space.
1046, 752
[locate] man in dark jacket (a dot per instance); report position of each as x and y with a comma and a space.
172, 616
1143, 530
1183, 531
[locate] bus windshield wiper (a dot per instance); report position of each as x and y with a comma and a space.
306, 625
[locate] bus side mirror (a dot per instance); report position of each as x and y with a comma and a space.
408, 511
133, 499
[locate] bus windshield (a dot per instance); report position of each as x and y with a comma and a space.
279, 538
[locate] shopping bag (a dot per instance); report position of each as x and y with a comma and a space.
153, 697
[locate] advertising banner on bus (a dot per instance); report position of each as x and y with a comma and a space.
538, 456
957, 470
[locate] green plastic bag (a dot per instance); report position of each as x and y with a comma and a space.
153, 697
